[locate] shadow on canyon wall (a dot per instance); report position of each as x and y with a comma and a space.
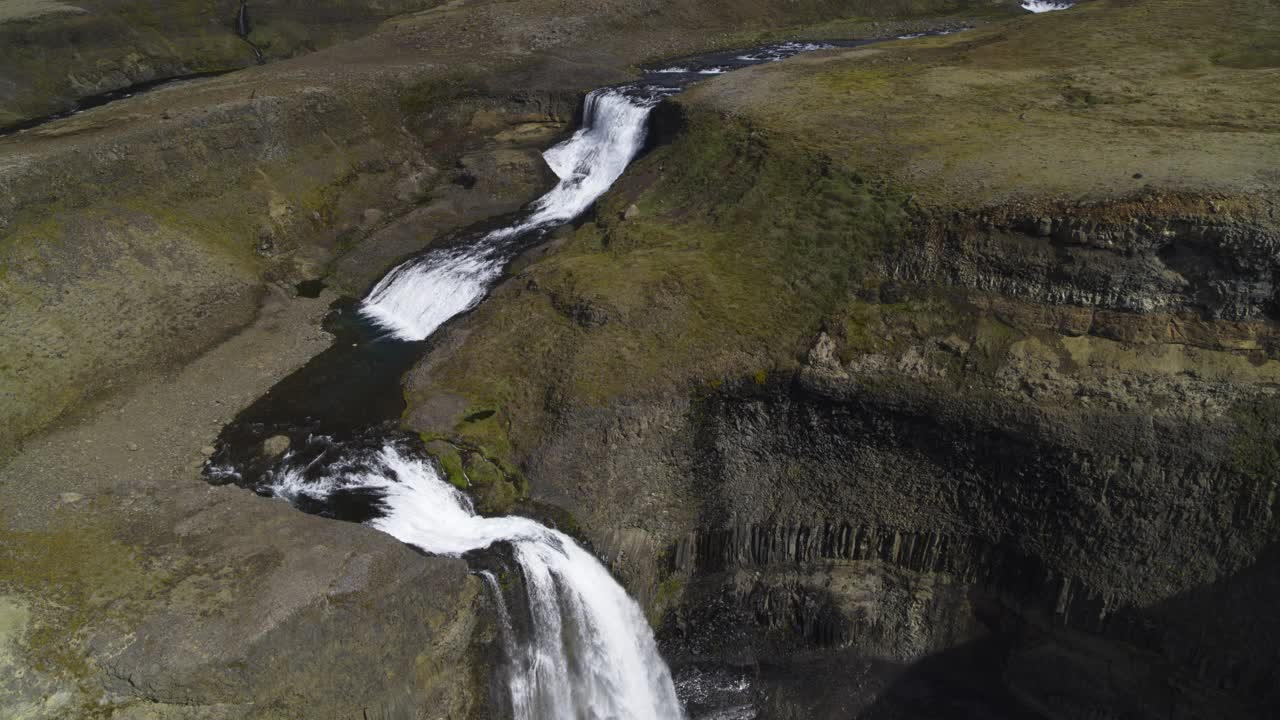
1003, 563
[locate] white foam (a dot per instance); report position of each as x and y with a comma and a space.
1041, 6
589, 162
783, 51
415, 299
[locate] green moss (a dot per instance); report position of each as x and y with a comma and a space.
469, 467
669, 590
450, 462
992, 343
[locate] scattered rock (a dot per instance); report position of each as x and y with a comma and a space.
266, 246
955, 345
1137, 176
133, 447
632, 212
823, 354
207, 450
414, 187
70, 497
589, 316
276, 445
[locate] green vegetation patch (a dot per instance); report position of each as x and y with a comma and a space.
478, 460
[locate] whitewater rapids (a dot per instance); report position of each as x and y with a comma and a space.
420, 295
1043, 6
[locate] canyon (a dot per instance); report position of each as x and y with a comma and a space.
932, 377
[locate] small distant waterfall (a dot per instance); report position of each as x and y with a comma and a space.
242, 21
417, 297
1041, 6
244, 27
591, 654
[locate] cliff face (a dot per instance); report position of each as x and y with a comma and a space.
948, 359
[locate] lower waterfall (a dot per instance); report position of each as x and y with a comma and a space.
590, 652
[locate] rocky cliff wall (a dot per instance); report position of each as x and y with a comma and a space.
857, 403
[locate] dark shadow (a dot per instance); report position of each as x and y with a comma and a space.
1210, 652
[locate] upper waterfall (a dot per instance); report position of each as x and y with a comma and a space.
420, 295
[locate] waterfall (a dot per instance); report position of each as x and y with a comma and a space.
517, 683
421, 294
590, 655
1042, 6
242, 20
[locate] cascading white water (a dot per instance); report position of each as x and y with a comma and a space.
420, 295
591, 656
518, 682
1042, 6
